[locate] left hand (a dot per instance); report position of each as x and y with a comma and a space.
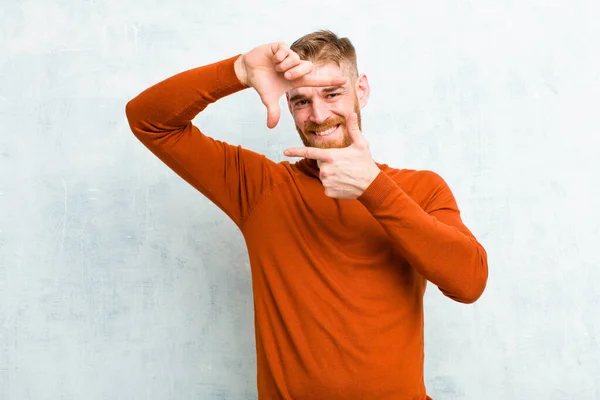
347, 172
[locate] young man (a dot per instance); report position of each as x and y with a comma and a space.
340, 247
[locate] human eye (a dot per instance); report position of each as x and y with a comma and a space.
301, 103
332, 95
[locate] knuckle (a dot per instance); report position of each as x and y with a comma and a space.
328, 172
280, 45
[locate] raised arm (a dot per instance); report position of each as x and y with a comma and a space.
231, 177
160, 117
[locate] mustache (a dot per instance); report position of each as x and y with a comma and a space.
330, 123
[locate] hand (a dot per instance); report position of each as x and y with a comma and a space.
347, 172
273, 69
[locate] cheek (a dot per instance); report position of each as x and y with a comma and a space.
300, 118
349, 104
343, 106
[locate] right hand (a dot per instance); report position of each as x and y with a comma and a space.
273, 69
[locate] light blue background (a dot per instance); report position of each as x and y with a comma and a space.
119, 281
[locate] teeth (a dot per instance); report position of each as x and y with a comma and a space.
326, 132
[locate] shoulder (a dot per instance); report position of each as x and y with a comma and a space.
426, 187
414, 180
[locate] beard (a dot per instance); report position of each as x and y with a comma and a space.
342, 142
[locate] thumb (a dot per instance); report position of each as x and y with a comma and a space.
273, 111
352, 127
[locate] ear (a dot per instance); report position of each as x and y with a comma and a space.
363, 90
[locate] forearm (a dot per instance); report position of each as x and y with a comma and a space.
436, 244
170, 105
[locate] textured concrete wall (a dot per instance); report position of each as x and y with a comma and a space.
119, 281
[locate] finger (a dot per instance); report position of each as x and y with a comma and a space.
280, 52
273, 111
292, 60
353, 128
310, 152
299, 70
318, 81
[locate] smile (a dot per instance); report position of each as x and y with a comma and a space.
326, 131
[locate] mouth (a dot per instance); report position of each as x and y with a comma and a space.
324, 133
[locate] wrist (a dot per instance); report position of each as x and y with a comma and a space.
370, 176
240, 70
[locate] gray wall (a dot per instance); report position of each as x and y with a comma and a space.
119, 281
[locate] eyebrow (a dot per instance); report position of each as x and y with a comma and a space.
326, 90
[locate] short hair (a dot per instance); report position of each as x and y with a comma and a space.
326, 46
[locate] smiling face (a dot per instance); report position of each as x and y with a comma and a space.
320, 113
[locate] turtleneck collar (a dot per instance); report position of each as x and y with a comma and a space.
308, 167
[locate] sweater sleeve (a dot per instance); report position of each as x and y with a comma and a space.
433, 239
231, 177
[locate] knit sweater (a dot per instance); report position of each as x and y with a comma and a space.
338, 284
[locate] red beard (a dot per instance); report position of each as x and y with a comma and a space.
310, 141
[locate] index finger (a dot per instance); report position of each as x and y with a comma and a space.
318, 81
309, 152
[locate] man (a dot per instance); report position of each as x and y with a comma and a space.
340, 247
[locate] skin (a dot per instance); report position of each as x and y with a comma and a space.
318, 96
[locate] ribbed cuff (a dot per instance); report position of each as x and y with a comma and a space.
376, 193
227, 78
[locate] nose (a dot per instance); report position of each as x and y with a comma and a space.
319, 112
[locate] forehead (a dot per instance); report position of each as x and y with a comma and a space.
322, 69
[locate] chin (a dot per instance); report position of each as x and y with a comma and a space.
328, 145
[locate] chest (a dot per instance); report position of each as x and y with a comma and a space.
301, 212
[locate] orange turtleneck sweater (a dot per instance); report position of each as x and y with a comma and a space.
338, 284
